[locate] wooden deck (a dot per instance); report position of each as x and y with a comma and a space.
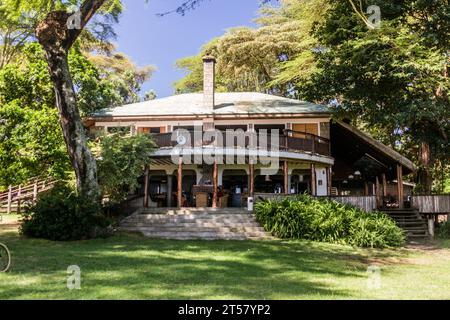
435, 204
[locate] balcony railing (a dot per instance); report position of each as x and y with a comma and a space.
307, 143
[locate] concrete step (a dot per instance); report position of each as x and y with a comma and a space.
187, 211
204, 235
196, 225
193, 228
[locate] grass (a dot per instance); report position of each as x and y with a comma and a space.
128, 266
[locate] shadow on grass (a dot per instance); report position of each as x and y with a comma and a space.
130, 266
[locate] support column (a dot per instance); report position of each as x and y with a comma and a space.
366, 189
377, 191
252, 179
313, 180
286, 177
9, 199
35, 191
146, 182
400, 185
169, 190
329, 181
215, 184
180, 183
383, 181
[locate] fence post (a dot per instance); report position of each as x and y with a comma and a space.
431, 226
35, 190
9, 199
19, 194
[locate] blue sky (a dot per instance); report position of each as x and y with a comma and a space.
149, 39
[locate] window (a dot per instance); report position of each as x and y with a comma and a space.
311, 128
151, 130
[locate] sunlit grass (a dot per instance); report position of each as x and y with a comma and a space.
129, 266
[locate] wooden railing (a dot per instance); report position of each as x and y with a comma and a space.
438, 204
366, 203
12, 200
285, 142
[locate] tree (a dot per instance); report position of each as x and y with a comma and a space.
261, 59
57, 31
393, 77
31, 140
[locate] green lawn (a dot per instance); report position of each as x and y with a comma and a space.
129, 266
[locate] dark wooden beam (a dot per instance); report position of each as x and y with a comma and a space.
384, 182
377, 191
146, 185
329, 180
252, 179
313, 180
286, 177
400, 192
180, 183
215, 184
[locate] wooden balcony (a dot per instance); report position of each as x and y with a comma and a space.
308, 143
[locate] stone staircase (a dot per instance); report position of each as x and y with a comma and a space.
195, 224
412, 222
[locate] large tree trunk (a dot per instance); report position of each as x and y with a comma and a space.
424, 173
55, 38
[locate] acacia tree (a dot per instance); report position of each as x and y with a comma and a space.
56, 38
56, 35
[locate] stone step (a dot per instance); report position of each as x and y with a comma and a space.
187, 211
410, 222
247, 224
203, 235
193, 228
196, 225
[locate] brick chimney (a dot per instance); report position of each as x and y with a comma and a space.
209, 66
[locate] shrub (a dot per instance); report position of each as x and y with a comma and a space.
121, 161
328, 221
61, 215
443, 230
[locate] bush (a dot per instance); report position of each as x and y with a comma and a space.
61, 215
328, 221
443, 230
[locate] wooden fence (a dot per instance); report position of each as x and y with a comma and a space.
366, 203
437, 204
11, 201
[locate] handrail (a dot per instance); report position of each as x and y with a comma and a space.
313, 143
307, 134
24, 192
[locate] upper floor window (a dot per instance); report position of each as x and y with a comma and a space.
151, 130
311, 128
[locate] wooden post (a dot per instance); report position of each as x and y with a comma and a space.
313, 180
180, 183
252, 179
329, 180
400, 185
19, 202
146, 182
9, 199
366, 189
286, 177
383, 180
35, 191
215, 184
377, 191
